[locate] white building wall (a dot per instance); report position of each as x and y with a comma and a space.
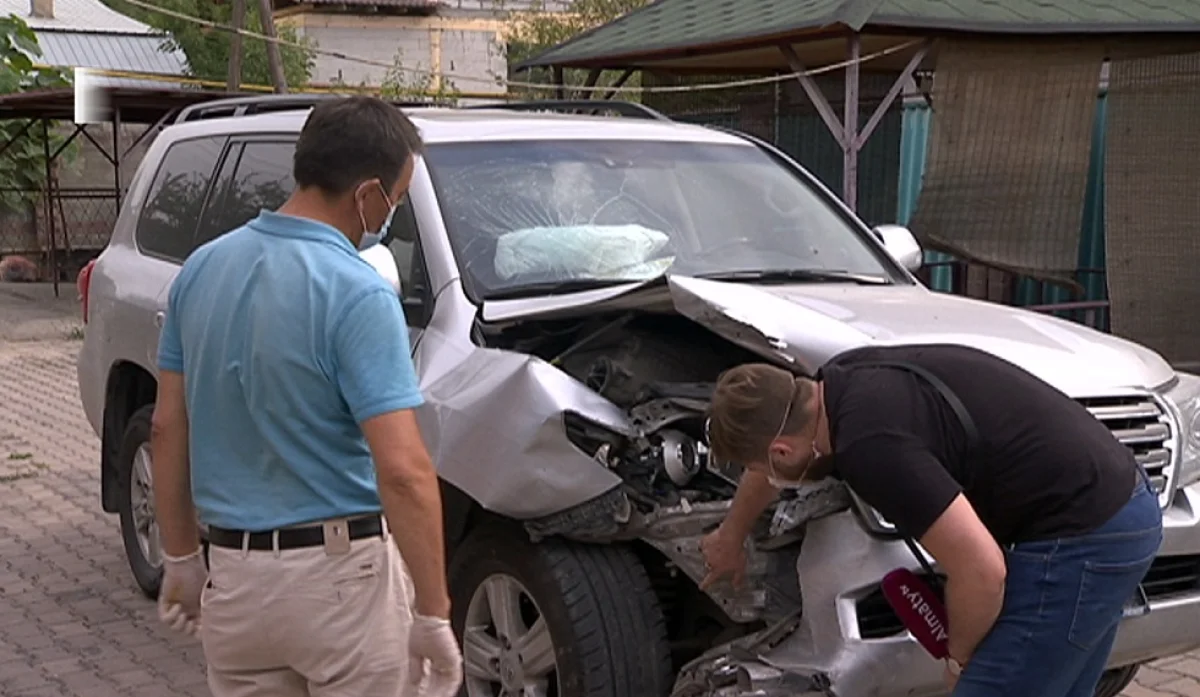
464, 42
468, 51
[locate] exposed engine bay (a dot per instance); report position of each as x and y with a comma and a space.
661, 370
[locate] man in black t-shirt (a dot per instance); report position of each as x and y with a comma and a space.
1042, 521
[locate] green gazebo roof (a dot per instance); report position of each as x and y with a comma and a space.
681, 28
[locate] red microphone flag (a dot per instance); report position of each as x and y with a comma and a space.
922, 613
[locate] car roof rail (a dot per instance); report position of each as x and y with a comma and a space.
244, 106
263, 103
632, 110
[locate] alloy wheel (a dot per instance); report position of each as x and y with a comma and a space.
507, 647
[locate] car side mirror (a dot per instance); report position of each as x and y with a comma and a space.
901, 245
380, 257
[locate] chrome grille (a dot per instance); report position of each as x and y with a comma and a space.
1144, 427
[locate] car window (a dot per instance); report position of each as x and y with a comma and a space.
262, 178
212, 217
414, 285
402, 240
405, 246
528, 213
168, 220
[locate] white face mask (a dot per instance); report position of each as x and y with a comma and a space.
369, 238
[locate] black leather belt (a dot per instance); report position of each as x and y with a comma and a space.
293, 538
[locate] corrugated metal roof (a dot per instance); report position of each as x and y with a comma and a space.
667, 26
78, 15
143, 54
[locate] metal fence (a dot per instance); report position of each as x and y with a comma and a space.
782, 114
61, 232
63, 224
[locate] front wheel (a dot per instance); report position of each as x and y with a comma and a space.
1115, 680
556, 619
135, 503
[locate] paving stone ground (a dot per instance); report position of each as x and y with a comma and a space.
72, 623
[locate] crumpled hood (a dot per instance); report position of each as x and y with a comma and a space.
806, 324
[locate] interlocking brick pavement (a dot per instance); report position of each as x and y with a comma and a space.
72, 623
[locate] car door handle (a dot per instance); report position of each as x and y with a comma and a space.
159, 317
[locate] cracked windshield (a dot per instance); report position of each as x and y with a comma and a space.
572, 215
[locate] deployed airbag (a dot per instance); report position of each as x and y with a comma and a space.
619, 252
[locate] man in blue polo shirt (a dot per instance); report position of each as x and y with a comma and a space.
284, 419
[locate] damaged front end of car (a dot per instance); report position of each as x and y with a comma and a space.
602, 399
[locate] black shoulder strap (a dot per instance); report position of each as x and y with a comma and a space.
951, 399
964, 418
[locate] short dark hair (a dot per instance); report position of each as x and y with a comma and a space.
351, 139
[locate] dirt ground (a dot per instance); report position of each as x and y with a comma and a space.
72, 623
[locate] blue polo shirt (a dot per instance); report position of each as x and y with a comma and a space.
287, 340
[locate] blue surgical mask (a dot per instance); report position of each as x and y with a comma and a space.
372, 238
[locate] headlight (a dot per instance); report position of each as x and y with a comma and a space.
1185, 395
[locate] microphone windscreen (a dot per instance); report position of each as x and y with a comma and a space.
922, 613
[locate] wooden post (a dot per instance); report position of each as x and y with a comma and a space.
274, 61
846, 131
233, 83
851, 146
49, 203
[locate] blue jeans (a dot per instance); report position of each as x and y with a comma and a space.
1063, 600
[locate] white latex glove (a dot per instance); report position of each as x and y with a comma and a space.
179, 597
434, 658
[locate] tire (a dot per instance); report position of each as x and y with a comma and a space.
146, 568
1112, 682
607, 630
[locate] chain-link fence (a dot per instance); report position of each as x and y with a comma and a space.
61, 232
62, 224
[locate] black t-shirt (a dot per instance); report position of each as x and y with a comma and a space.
1043, 467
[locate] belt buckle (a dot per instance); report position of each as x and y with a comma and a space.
337, 536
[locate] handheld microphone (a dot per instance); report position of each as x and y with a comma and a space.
922, 613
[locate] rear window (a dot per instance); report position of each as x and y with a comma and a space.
257, 176
261, 176
168, 221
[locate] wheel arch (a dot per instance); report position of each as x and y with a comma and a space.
461, 514
129, 387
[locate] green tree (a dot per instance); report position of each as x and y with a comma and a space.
403, 84
208, 50
23, 163
536, 30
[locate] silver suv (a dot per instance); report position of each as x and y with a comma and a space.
573, 285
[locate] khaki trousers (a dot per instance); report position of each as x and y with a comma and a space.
306, 622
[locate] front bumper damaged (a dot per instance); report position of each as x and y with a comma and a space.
818, 651
742, 669
823, 651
